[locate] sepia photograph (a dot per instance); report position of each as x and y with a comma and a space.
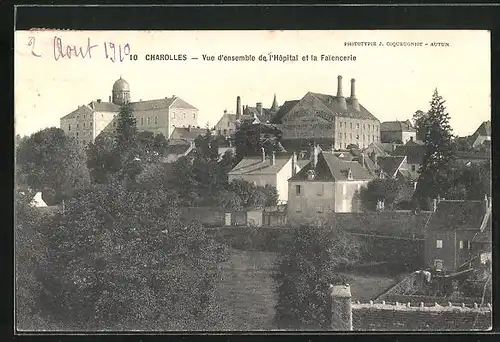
219, 181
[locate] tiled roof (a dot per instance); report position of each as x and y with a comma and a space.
452, 215
104, 106
265, 116
484, 129
331, 168
178, 149
331, 103
229, 116
180, 103
79, 111
390, 164
284, 109
189, 134
375, 147
255, 166
414, 153
396, 126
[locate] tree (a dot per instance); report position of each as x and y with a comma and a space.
127, 147
251, 138
471, 182
306, 268
29, 252
379, 189
439, 150
420, 122
151, 146
102, 159
48, 159
122, 258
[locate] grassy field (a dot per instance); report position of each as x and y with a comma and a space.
247, 289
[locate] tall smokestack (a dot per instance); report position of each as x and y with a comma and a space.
263, 152
354, 100
340, 97
238, 107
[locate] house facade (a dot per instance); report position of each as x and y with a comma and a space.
397, 132
452, 236
415, 154
273, 170
325, 185
328, 121
158, 116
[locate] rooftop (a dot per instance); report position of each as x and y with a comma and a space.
255, 166
396, 126
484, 129
456, 214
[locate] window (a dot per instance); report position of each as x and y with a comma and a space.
297, 190
357, 126
228, 124
77, 125
225, 131
142, 121
439, 243
351, 125
349, 174
84, 116
84, 125
76, 133
350, 136
364, 126
194, 116
69, 127
464, 244
413, 168
149, 120
321, 190
438, 264
319, 208
173, 115
156, 120
345, 135
460, 244
114, 124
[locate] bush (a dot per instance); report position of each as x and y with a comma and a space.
306, 268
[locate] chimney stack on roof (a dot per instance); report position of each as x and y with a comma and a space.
294, 163
354, 100
238, 107
314, 156
340, 97
109, 98
98, 100
263, 152
273, 158
258, 105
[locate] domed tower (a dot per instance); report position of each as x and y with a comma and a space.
121, 92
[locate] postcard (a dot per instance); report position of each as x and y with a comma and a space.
252, 181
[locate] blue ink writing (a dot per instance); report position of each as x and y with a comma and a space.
31, 43
69, 51
111, 50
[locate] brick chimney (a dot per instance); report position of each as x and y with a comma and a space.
273, 158
263, 154
109, 99
258, 105
314, 156
238, 107
340, 97
294, 163
341, 308
354, 100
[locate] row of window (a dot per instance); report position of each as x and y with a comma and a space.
78, 125
148, 120
183, 116
365, 137
462, 244
370, 126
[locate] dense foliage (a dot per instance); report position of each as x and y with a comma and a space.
380, 189
121, 258
251, 138
50, 161
306, 268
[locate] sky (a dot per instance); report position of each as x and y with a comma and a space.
392, 82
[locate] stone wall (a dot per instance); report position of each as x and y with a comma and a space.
398, 317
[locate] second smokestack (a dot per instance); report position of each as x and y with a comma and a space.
238, 107
340, 97
354, 100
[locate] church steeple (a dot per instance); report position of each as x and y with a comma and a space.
275, 106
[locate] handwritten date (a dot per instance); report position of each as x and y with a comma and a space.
62, 50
